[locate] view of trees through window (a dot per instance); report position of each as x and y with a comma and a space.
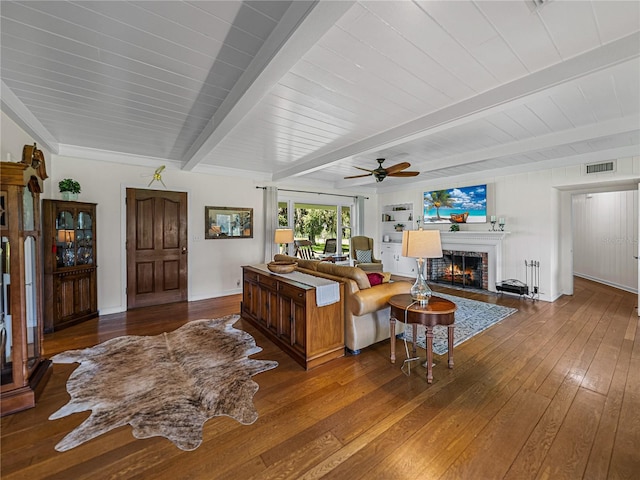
317, 223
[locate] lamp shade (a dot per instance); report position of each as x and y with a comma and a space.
421, 244
283, 235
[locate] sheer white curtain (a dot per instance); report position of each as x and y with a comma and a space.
357, 224
270, 222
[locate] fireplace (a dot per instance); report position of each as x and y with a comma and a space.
460, 269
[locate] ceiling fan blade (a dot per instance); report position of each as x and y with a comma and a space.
365, 169
397, 167
403, 174
358, 176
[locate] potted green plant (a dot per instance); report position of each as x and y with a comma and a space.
399, 227
69, 189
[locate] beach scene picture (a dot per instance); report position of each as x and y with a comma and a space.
456, 205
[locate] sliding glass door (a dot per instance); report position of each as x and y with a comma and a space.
317, 222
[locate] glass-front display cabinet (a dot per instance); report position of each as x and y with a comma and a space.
24, 370
70, 276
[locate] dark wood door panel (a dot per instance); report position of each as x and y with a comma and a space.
156, 247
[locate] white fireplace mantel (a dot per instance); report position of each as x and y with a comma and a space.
488, 242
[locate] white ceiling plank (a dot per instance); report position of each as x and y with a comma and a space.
515, 92
571, 25
550, 140
462, 20
371, 31
477, 82
281, 51
371, 61
523, 32
420, 29
616, 18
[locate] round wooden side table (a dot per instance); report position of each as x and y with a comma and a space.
438, 311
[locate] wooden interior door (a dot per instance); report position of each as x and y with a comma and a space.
156, 247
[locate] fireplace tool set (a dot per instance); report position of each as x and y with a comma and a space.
531, 288
533, 272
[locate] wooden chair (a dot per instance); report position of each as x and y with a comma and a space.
303, 250
330, 246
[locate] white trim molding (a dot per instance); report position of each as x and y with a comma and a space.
486, 242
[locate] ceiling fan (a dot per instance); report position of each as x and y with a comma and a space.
381, 173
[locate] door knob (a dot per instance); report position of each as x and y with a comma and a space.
184, 250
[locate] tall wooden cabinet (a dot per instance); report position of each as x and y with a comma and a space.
24, 370
70, 276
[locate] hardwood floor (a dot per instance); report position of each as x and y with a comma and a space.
552, 391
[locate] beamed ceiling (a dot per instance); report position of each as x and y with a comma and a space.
304, 91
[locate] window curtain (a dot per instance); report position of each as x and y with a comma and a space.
358, 221
270, 202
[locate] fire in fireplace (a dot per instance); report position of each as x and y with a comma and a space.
460, 269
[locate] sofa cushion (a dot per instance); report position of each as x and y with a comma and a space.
354, 273
363, 256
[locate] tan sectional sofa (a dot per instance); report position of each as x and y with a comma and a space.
366, 312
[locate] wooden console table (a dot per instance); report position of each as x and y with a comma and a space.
438, 311
285, 311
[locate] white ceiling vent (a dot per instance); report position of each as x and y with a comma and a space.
604, 167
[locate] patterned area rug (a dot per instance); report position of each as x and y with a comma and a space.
472, 317
165, 385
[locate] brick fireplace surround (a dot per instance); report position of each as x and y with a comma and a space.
449, 270
482, 242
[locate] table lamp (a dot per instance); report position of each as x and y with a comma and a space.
283, 235
421, 244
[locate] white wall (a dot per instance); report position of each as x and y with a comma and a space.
536, 211
215, 266
605, 238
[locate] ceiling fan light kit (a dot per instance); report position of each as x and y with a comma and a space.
381, 173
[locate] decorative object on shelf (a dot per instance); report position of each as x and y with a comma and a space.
228, 222
69, 189
410, 217
283, 236
421, 244
454, 228
501, 224
459, 217
35, 159
157, 176
282, 266
493, 223
399, 227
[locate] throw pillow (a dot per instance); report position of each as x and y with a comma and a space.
375, 278
387, 277
363, 256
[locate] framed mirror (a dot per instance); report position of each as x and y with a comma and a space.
228, 222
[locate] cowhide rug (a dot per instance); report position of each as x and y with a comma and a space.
166, 385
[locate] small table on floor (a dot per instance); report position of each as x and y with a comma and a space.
438, 311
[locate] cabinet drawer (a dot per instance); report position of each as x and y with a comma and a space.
269, 282
250, 276
292, 291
